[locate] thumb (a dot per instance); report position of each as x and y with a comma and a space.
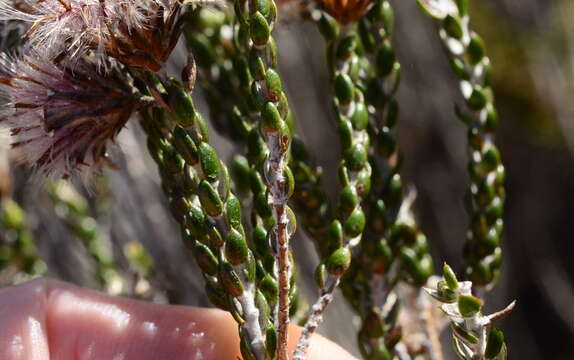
48, 320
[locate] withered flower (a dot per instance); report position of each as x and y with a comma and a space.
346, 11
139, 33
62, 120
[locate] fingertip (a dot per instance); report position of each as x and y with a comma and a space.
320, 348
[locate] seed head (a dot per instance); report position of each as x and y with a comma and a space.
138, 33
62, 120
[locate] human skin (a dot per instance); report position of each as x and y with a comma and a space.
51, 320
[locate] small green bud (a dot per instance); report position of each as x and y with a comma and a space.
449, 277
262, 205
339, 261
271, 120
190, 181
215, 237
491, 119
185, 145
346, 47
344, 89
490, 159
459, 68
230, 280
273, 85
271, 341
289, 181
260, 240
205, 259
348, 199
262, 6
209, 162
269, 288
236, 248
495, 210
181, 104
477, 99
363, 183
233, 211
335, 233
345, 133
355, 223
209, 199
356, 157
384, 59
448, 295
476, 49
494, 344
360, 118
202, 132
262, 304
469, 305
453, 27
259, 29
217, 296
328, 27
321, 276
464, 334
240, 172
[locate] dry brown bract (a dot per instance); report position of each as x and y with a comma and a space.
346, 11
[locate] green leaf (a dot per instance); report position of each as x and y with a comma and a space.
355, 223
449, 277
476, 49
339, 261
464, 335
209, 162
271, 120
469, 305
494, 344
236, 251
209, 199
453, 27
259, 29
344, 88
205, 259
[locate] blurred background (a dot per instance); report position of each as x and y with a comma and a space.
531, 44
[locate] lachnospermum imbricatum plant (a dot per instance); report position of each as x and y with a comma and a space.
84, 68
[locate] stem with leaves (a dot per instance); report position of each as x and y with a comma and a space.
256, 20
474, 337
467, 54
199, 189
354, 170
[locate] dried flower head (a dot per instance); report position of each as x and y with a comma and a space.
138, 33
62, 120
346, 11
